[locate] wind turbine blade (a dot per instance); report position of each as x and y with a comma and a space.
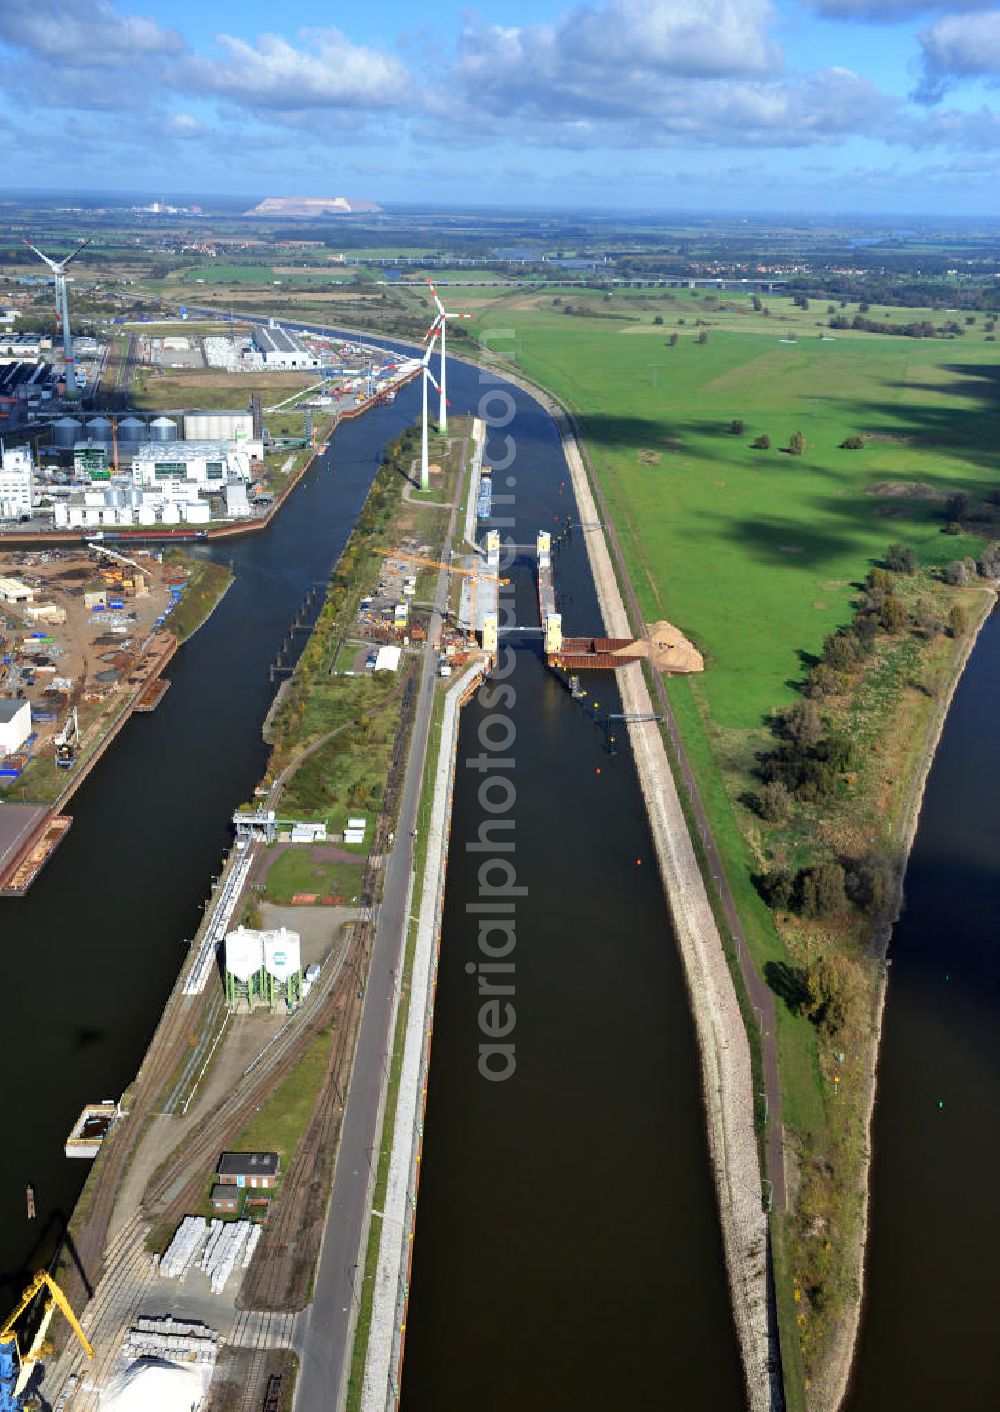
52, 264
437, 301
82, 246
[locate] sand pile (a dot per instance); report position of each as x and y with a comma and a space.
667, 648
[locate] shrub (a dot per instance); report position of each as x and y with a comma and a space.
989, 561
737, 427
957, 573
763, 443
834, 986
797, 444
893, 616
900, 559
958, 620
774, 802
853, 443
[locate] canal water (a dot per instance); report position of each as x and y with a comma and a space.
929, 1331
568, 1252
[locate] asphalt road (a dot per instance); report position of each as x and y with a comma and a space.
323, 1332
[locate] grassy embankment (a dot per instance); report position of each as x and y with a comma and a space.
354, 717
760, 556
207, 582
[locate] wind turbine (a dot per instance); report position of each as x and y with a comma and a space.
58, 268
441, 323
426, 376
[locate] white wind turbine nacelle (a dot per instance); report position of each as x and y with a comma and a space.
58, 268
440, 325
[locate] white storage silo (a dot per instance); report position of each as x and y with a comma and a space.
244, 953
162, 429
282, 954
171, 513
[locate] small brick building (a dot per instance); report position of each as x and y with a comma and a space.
225, 1198
258, 1170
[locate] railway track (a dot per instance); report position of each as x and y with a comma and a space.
116, 1274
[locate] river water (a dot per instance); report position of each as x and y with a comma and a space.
929, 1332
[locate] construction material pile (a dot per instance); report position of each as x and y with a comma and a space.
216, 1247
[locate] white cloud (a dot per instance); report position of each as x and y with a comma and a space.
273, 74
628, 75
78, 34
959, 47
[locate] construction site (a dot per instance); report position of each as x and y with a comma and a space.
86, 634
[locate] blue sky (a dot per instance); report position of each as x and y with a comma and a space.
811, 105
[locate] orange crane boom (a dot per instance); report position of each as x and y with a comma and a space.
472, 574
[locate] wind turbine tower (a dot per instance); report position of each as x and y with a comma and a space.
441, 324
426, 376
58, 268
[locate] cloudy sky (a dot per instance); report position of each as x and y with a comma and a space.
826, 105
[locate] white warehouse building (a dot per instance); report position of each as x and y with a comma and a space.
15, 725
17, 482
281, 349
210, 463
218, 426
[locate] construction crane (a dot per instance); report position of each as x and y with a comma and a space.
472, 574
15, 1369
67, 741
102, 549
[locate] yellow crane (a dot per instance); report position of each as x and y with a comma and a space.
472, 574
15, 1369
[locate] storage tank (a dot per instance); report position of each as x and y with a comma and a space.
66, 432
162, 429
199, 512
131, 429
171, 514
244, 953
147, 515
282, 954
99, 429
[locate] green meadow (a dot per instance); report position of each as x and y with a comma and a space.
758, 554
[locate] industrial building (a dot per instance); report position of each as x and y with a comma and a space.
17, 483
262, 968
14, 591
218, 426
207, 462
15, 725
24, 385
281, 349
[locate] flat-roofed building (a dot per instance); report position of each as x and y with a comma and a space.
15, 725
17, 482
210, 463
282, 349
